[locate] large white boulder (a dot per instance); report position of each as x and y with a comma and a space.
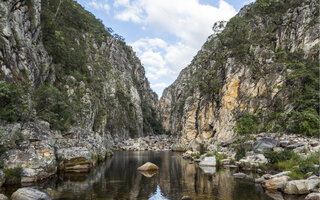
300, 186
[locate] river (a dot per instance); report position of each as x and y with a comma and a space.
118, 179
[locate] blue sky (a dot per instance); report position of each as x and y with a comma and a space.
165, 34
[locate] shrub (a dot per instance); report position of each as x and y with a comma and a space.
220, 157
240, 152
275, 157
247, 123
52, 107
13, 175
12, 101
195, 155
298, 166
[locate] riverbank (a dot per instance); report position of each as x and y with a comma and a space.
286, 164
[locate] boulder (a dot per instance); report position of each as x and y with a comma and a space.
281, 174
239, 175
2, 178
313, 196
296, 145
276, 183
300, 186
259, 180
265, 144
314, 143
148, 167
3, 197
228, 142
178, 148
208, 161
29, 194
267, 176
284, 143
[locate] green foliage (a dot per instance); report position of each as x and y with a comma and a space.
195, 155
13, 102
290, 161
202, 148
52, 106
274, 7
236, 37
220, 157
150, 119
247, 123
66, 28
240, 151
275, 157
13, 175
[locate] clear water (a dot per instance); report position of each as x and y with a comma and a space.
118, 178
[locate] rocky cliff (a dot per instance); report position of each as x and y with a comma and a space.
69, 88
260, 74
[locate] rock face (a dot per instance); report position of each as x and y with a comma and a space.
29, 194
148, 167
21, 47
301, 186
230, 77
80, 89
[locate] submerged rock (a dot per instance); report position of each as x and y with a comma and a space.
208, 161
148, 167
29, 194
239, 175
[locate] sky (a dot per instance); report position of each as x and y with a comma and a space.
165, 34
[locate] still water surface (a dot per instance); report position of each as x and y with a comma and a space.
118, 179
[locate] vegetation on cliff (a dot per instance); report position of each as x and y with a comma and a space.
95, 79
278, 85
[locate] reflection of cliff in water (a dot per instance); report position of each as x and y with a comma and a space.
118, 178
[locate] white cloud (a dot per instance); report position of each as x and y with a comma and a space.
159, 85
99, 6
188, 20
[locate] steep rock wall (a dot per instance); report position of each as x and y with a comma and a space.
242, 69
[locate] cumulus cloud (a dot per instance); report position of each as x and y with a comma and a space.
159, 85
189, 21
99, 6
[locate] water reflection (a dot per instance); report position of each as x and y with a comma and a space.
158, 195
118, 178
148, 174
